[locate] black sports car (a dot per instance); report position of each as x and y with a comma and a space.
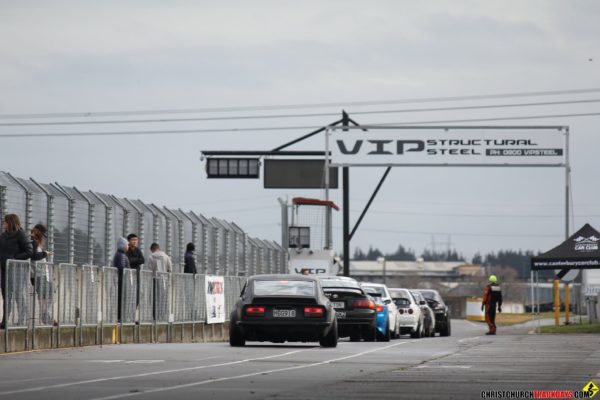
442, 313
356, 311
279, 308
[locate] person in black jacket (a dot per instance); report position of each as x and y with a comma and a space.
120, 262
14, 245
134, 254
43, 284
189, 266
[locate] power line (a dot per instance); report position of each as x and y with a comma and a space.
520, 235
311, 115
367, 229
474, 215
338, 104
280, 128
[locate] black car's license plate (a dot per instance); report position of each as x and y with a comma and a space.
340, 314
284, 313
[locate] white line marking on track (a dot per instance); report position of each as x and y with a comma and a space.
470, 338
115, 378
144, 361
106, 361
228, 378
444, 366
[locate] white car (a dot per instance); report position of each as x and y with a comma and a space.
393, 314
411, 315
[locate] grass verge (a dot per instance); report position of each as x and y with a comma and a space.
575, 328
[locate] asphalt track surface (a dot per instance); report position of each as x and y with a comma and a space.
459, 367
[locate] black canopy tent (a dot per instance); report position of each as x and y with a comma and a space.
580, 251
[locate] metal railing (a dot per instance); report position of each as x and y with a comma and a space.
43, 295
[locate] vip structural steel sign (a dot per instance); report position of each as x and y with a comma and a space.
448, 146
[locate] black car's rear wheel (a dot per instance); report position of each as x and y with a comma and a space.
418, 333
331, 339
236, 337
446, 330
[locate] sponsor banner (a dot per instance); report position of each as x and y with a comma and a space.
312, 262
215, 299
448, 146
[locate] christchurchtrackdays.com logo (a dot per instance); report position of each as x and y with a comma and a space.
588, 391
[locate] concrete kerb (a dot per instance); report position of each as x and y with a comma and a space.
130, 334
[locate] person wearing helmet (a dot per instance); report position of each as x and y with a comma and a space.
492, 298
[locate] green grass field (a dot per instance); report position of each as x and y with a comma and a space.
575, 328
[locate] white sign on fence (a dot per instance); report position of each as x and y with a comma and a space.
215, 299
544, 146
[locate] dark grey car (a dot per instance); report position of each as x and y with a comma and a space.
280, 308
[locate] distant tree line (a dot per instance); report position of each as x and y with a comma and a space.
518, 260
403, 254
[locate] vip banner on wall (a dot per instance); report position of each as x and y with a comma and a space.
215, 299
435, 146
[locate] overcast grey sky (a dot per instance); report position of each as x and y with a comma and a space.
68, 57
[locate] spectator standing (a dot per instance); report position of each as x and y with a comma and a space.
134, 254
159, 261
189, 266
14, 245
42, 284
121, 262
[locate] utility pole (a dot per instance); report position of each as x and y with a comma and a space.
346, 206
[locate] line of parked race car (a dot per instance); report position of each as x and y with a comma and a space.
298, 308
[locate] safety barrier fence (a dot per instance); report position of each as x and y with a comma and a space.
41, 296
83, 228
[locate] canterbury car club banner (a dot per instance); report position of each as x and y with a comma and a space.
215, 299
448, 146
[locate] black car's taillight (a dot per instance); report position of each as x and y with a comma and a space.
253, 311
363, 303
312, 312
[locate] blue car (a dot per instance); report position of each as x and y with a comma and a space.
383, 319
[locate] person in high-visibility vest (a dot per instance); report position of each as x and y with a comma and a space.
492, 298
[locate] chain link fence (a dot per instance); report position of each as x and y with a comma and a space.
78, 286
129, 297
162, 297
83, 228
17, 294
110, 297
146, 296
233, 289
183, 297
91, 292
68, 295
44, 294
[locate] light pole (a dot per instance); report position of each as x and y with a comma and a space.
382, 261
